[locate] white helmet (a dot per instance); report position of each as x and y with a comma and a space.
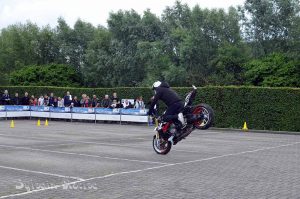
156, 84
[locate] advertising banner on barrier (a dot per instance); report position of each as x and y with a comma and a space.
110, 111
134, 111
17, 108
2, 108
40, 108
82, 110
60, 109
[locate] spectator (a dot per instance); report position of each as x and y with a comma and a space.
55, 101
76, 102
25, 99
156, 106
115, 104
5, 98
142, 104
34, 101
139, 103
115, 97
46, 100
95, 101
127, 104
17, 100
67, 99
41, 101
31, 101
87, 102
106, 102
83, 96
51, 100
60, 102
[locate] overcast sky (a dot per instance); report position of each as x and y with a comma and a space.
45, 12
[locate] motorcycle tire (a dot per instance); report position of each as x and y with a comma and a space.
160, 146
208, 116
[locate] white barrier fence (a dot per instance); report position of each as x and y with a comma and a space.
91, 114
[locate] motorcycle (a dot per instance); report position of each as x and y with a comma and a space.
200, 116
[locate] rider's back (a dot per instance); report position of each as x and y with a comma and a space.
167, 95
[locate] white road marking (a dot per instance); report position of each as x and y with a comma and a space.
81, 154
54, 145
147, 169
40, 172
103, 143
74, 141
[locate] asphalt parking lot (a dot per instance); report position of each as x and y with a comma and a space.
86, 160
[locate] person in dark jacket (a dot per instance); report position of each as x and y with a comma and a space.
106, 102
94, 101
25, 99
46, 100
115, 98
5, 98
16, 100
67, 100
51, 100
76, 102
155, 107
55, 101
175, 105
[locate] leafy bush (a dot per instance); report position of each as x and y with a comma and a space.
52, 74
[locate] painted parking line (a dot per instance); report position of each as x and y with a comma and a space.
39, 172
81, 154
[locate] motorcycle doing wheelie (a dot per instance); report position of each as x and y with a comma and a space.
196, 117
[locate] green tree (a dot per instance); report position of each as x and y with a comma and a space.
126, 30
177, 22
211, 29
74, 42
18, 47
229, 64
48, 47
97, 71
268, 24
274, 70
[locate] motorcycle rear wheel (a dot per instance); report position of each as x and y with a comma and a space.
161, 146
208, 113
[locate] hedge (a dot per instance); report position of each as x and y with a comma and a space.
262, 108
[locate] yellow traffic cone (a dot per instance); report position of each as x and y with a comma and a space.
38, 123
245, 128
46, 123
12, 124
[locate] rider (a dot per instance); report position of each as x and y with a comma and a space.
164, 93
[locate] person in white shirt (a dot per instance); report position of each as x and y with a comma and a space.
41, 101
127, 104
60, 102
139, 103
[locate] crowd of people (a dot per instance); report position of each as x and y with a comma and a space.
69, 101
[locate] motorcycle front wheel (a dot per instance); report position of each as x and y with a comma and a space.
161, 146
